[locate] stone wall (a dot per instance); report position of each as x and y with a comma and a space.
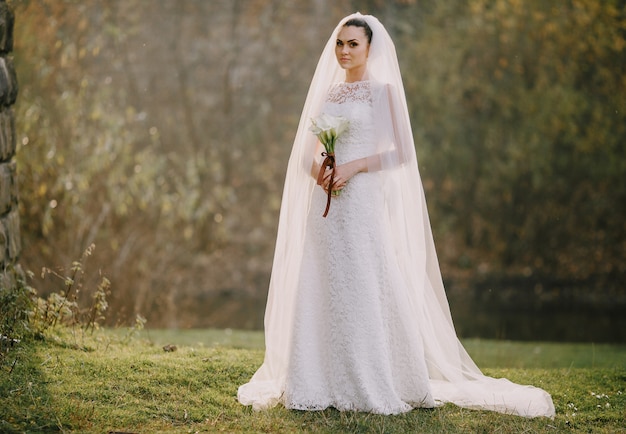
9, 217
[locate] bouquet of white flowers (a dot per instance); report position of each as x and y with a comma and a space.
327, 128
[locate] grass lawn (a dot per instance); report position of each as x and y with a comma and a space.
114, 382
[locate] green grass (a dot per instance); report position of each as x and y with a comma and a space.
110, 382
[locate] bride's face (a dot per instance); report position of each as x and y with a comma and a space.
352, 47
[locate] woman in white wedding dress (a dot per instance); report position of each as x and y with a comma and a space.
357, 317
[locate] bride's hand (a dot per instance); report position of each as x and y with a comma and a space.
343, 173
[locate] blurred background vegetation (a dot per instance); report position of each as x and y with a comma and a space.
160, 131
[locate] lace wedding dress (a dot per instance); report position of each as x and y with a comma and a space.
351, 349
357, 316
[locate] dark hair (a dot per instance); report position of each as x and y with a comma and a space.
358, 22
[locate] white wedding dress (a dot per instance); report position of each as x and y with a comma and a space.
351, 348
357, 316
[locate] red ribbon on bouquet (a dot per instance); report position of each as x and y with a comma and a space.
329, 161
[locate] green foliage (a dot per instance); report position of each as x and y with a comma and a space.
519, 110
133, 137
82, 175
16, 305
25, 316
137, 387
62, 307
142, 174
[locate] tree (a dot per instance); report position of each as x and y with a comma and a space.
521, 118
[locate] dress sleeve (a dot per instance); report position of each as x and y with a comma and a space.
392, 128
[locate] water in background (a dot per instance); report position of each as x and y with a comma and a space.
540, 310
509, 312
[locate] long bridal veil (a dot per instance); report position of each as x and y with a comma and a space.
454, 377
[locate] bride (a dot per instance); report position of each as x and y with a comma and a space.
357, 317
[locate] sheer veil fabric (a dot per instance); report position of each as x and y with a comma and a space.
454, 377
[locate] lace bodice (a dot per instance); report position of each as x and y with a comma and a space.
359, 91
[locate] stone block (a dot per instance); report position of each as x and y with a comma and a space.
15, 242
7, 18
13, 277
10, 243
8, 187
8, 82
7, 134
4, 244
